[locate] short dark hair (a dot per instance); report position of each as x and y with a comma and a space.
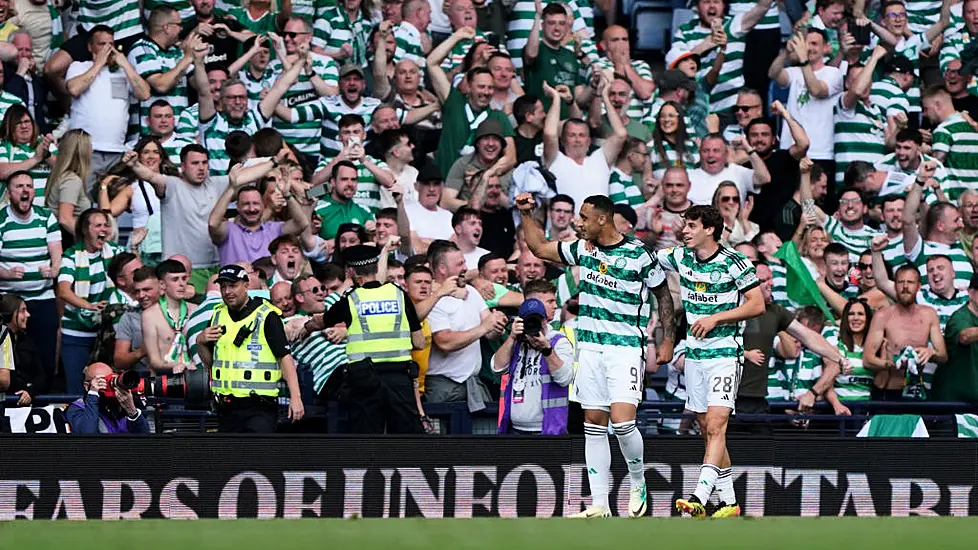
116, 264
470, 76
812, 314
821, 32
851, 189
539, 286
267, 141
554, 8
167, 267
602, 204
296, 288
560, 197
709, 216
18, 174
891, 198
574, 120
387, 214
909, 134
417, 259
193, 148
486, 258
437, 251
97, 29
936, 211
524, 105
836, 249
332, 271
161, 103
462, 214
350, 119
766, 121
416, 268
237, 144
342, 164
283, 239
389, 139
857, 171
144, 273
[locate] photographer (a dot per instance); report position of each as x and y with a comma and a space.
105, 409
540, 362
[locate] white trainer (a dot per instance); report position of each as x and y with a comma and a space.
592, 512
636, 501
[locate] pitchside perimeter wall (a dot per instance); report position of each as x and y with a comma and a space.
206, 476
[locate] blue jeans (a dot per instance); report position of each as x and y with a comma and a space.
74, 357
42, 327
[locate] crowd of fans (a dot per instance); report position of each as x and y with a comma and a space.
142, 141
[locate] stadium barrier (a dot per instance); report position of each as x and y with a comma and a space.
215, 476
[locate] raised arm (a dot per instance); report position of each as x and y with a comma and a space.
614, 142
239, 63
911, 233
551, 127
805, 188
206, 102
140, 89
382, 86
937, 29
532, 48
282, 85
816, 87
156, 179
439, 80
162, 83
754, 15
533, 233
777, 71
883, 283
799, 136
80, 84
216, 228
863, 82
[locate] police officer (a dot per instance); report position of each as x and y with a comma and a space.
382, 329
248, 354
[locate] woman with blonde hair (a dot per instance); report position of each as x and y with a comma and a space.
65, 194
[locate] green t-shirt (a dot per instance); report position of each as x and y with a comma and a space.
957, 380
334, 214
556, 67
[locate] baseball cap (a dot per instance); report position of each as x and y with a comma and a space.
429, 172
351, 68
628, 213
900, 64
532, 307
232, 273
674, 56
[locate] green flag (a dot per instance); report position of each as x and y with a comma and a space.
801, 286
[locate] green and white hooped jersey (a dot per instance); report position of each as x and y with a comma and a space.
20, 152
803, 372
777, 377
708, 287
899, 180
959, 142
859, 135
368, 190
945, 307
122, 16
254, 86
187, 126
894, 254
25, 244
622, 189
731, 78
858, 385
963, 270
771, 19
327, 112
779, 286
215, 131
149, 59
856, 241
304, 135
922, 14
615, 292
636, 107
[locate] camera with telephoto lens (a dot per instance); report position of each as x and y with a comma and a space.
532, 325
193, 386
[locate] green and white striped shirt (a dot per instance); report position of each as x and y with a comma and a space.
779, 286
520, 21
216, 130
304, 135
20, 152
922, 14
368, 190
858, 385
328, 110
859, 135
894, 254
856, 241
777, 378
803, 372
637, 108
254, 86
408, 40
182, 6
122, 16
87, 274
771, 19
6, 100
197, 321
187, 126
708, 287
149, 59
958, 141
944, 307
622, 189
319, 354
173, 146
963, 269
334, 28
25, 244
659, 165
615, 295
889, 97
731, 78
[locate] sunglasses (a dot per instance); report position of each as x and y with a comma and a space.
316, 289
865, 266
745, 108
293, 34
730, 199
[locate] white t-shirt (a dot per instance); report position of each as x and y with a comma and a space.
472, 258
580, 181
702, 186
814, 114
103, 110
429, 224
457, 315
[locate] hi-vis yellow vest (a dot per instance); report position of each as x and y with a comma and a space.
379, 329
248, 369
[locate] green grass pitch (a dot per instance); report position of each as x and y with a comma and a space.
499, 534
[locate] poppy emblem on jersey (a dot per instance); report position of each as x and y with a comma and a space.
700, 287
603, 268
620, 263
